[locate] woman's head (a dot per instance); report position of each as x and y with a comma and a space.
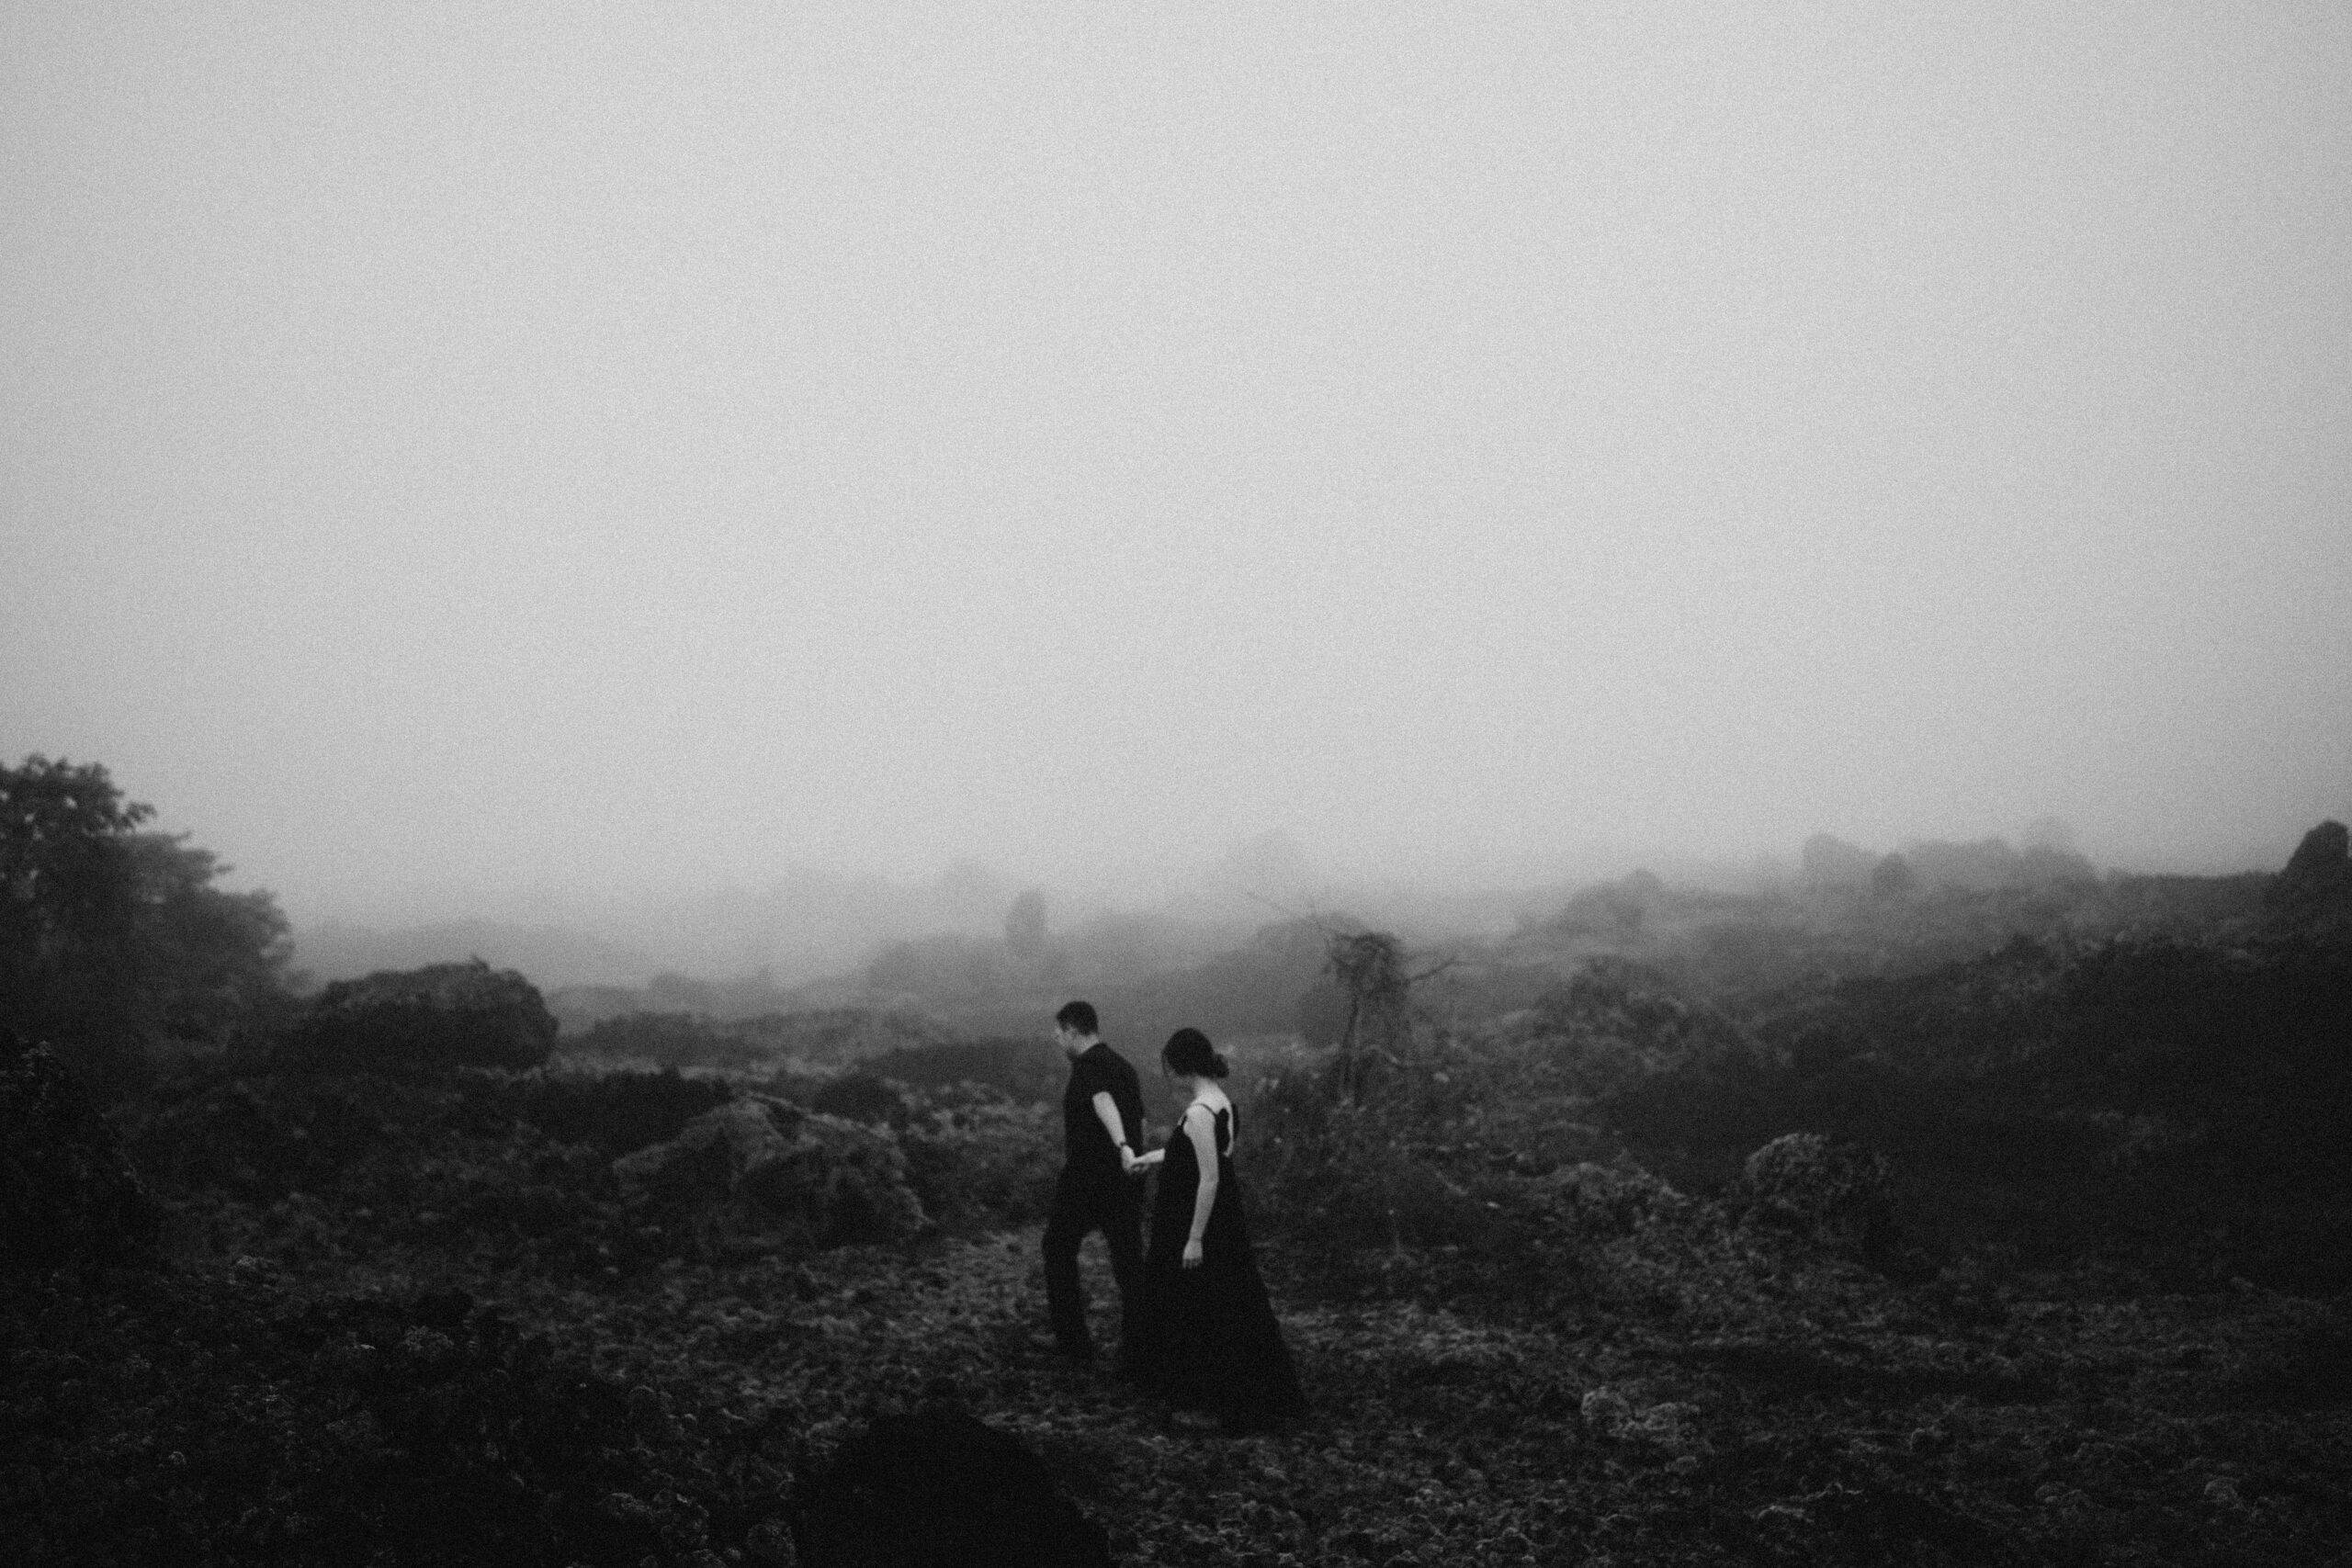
1188, 1053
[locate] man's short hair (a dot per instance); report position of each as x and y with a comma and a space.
1078, 1019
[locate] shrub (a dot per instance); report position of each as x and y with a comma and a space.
1022, 1069
617, 1112
66, 1191
1340, 1181
222, 1421
860, 1097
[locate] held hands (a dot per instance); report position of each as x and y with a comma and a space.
1134, 1163
1193, 1253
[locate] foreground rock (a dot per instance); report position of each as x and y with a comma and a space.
828, 1181
444, 1015
936, 1488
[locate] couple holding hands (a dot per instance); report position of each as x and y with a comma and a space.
1195, 1325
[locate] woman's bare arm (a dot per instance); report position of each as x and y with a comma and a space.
1201, 1130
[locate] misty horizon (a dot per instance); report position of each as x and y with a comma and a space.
463, 466
803, 926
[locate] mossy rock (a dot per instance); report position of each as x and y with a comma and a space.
442, 1016
1833, 1191
829, 1182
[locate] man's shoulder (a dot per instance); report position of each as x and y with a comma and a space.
1101, 1063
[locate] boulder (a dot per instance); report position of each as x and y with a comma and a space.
937, 1487
2318, 875
444, 1015
67, 1194
714, 1152
2325, 850
1832, 1191
839, 1183
693, 1164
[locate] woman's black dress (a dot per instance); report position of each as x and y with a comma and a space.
1208, 1339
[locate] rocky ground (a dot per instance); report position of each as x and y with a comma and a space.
1827, 1417
550, 1318
1726, 1396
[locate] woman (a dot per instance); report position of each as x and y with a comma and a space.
1207, 1339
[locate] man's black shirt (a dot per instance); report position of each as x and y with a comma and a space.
1087, 1149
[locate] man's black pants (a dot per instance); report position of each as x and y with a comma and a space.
1081, 1205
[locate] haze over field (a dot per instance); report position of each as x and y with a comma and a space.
541, 460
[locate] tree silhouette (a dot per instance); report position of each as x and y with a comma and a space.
1024, 927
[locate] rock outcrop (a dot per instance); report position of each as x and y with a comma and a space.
830, 1182
2325, 852
444, 1015
2318, 875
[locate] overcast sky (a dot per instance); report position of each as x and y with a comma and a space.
570, 447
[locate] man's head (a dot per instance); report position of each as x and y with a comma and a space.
1077, 1027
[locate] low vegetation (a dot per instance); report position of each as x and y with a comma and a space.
2035, 1254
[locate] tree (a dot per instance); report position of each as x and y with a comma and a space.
67, 895
64, 885
1894, 879
1370, 969
1024, 927
212, 964
1831, 861
111, 938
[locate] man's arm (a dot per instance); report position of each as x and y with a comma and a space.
1107, 1110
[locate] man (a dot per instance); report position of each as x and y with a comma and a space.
1102, 1123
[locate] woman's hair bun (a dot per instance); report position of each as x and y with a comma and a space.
1188, 1051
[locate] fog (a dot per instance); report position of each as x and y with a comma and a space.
585, 465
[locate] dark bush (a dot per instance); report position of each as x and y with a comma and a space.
667, 1040
860, 1097
617, 1112
222, 1422
1351, 1187
66, 1191
1024, 1070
